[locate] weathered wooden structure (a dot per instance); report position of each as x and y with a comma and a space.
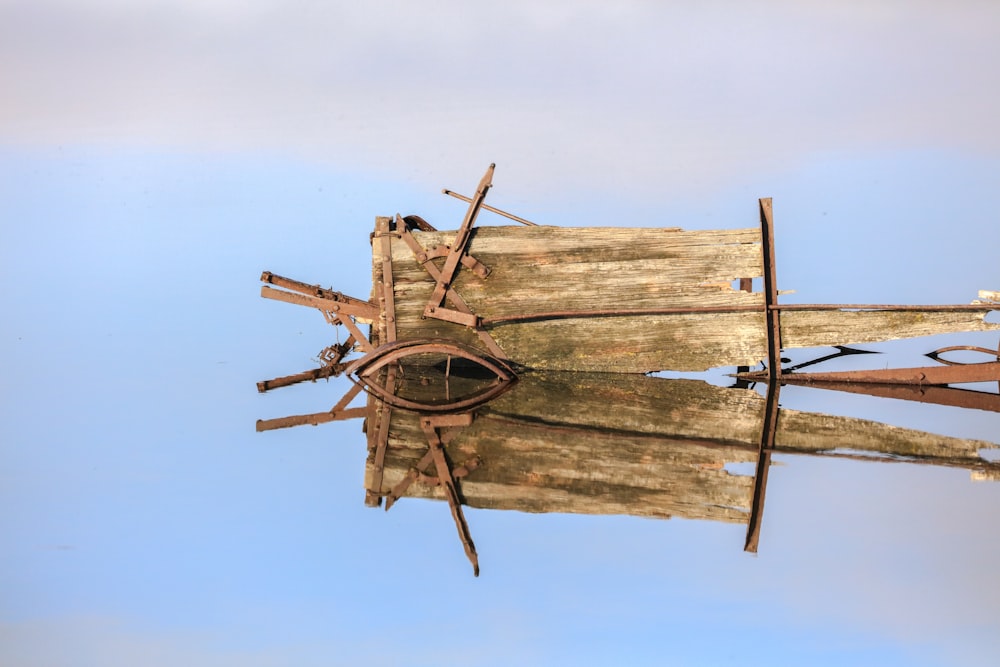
504, 369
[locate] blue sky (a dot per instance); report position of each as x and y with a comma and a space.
156, 157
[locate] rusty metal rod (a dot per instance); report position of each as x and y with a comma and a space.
310, 419
311, 290
769, 431
937, 395
505, 214
697, 310
937, 308
924, 375
332, 370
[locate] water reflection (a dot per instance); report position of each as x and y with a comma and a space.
625, 444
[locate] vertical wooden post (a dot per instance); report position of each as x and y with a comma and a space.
379, 431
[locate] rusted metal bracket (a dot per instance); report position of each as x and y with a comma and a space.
447, 273
336, 308
416, 473
462, 313
423, 256
430, 426
313, 296
339, 412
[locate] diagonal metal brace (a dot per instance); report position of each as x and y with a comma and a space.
447, 481
447, 273
462, 314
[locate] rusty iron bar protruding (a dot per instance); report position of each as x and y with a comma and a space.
769, 427
429, 427
932, 308
339, 412
321, 373
933, 394
505, 214
923, 376
458, 247
363, 310
312, 290
770, 286
769, 430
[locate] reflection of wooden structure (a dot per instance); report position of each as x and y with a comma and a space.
527, 303
631, 444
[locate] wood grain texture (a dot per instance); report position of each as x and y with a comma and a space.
544, 269
596, 443
821, 328
550, 269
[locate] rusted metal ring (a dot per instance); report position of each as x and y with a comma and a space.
362, 370
936, 354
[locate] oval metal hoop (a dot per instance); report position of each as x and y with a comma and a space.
363, 370
936, 354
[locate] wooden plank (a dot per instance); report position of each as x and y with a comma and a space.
637, 344
807, 328
544, 269
530, 277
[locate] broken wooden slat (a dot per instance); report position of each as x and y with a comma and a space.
816, 328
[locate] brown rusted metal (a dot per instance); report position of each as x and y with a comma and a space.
931, 308
486, 207
769, 430
349, 324
770, 286
447, 482
321, 373
311, 290
416, 222
447, 274
458, 420
937, 395
468, 261
363, 369
922, 376
364, 310
936, 354
455, 298
339, 412
699, 310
